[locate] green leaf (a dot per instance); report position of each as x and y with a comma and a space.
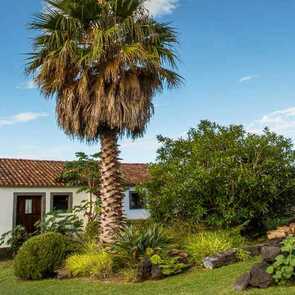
270, 270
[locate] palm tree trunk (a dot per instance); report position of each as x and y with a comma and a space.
111, 188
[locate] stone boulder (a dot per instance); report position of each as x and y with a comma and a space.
62, 274
256, 278
259, 278
220, 259
269, 253
156, 273
292, 227
144, 270
242, 282
282, 232
253, 250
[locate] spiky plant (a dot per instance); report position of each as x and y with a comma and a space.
103, 61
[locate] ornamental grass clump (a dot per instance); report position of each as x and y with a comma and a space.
209, 243
93, 261
97, 265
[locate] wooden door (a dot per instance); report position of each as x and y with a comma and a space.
28, 211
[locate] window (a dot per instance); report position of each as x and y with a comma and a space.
135, 201
61, 202
28, 206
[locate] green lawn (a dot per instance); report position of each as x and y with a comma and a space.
196, 282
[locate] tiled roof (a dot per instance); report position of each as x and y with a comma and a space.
39, 173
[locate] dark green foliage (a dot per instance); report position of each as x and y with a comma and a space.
40, 256
14, 238
222, 176
275, 222
73, 245
283, 268
91, 231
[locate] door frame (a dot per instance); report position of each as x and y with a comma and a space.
24, 194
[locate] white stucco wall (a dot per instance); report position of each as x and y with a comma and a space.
134, 214
7, 196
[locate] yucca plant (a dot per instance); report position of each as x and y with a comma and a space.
103, 61
133, 244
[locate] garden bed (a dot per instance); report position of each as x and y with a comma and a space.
196, 281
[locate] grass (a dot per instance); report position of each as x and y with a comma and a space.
200, 282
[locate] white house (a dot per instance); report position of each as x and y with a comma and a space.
29, 190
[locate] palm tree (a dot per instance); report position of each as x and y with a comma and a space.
103, 61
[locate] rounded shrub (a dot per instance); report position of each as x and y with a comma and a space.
40, 256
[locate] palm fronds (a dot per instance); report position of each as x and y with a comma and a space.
103, 61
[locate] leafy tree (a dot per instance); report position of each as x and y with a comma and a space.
103, 61
223, 176
84, 172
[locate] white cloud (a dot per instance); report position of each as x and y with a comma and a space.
248, 78
161, 7
282, 122
21, 118
30, 84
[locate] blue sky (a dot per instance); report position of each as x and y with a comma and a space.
237, 58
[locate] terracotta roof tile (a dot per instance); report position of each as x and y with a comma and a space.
42, 173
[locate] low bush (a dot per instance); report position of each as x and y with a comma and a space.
283, 269
170, 265
14, 239
40, 256
98, 265
209, 243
